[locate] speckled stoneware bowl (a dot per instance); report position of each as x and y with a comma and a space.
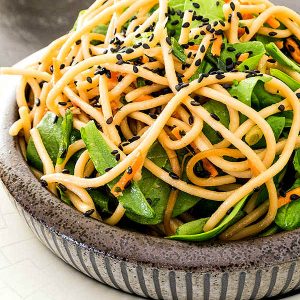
138, 264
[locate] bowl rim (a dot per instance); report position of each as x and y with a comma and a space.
119, 243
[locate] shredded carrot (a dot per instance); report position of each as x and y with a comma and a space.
272, 22
216, 46
241, 31
287, 199
279, 44
194, 47
243, 56
143, 98
145, 59
293, 48
247, 16
127, 177
115, 105
114, 76
209, 167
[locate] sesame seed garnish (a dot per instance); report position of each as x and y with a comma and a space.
214, 116
119, 56
62, 103
198, 62
134, 138
231, 49
78, 42
196, 5
232, 6
114, 152
89, 79
294, 197
135, 69
202, 49
65, 171
272, 33
271, 60
146, 46
220, 76
129, 170
118, 157
129, 50
62, 66
186, 25
298, 95
107, 169
109, 120
247, 30
168, 40
281, 107
55, 119
89, 212
173, 175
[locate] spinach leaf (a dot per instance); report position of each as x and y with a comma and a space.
178, 51
158, 191
193, 227
208, 9
221, 111
256, 50
288, 115
132, 198
270, 231
296, 184
288, 80
66, 131
279, 56
101, 199
235, 215
277, 124
296, 161
288, 216
63, 196
265, 99
245, 89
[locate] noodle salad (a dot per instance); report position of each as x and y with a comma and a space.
175, 118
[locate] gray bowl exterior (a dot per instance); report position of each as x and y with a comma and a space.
138, 264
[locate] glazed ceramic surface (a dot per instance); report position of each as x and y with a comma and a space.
138, 264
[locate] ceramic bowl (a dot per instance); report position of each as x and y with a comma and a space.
139, 264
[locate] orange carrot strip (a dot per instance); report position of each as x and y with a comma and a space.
279, 44
194, 47
127, 177
216, 46
247, 16
209, 167
241, 32
143, 98
287, 199
272, 22
293, 48
243, 57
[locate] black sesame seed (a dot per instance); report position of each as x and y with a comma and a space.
272, 33
176, 22
231, 49
129, 50
118, 157
186, 25
196, 5
220, 76
62, 103
240, 16
78, 42
232, 6
202, 49
298, 95
146, 46
62, 66
247, 30
168, 40
281, 107
89, 80
173, 175
109, 120
214, 116
129, 170
219, 32
65, 171
89, 212
135, 69
134, 138
114, 152
294, 197
119, 56
55, 119
271, 60
107, 169
198, 62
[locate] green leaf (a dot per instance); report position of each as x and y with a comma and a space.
256, 49
178, 51
275, 52
193, 227
63, 196
296, 161
66, 130
288, 216
158, 191
101, 199
296, 184
270, 231
221, 111
140, 82
132, 198
265, 99
288, 80
235, 215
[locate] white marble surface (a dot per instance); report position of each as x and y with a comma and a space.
28, 270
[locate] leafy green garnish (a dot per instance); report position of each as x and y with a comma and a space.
132, 198
178, 51
288, 80
296, 161
193, 227
235, 215
288, 216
